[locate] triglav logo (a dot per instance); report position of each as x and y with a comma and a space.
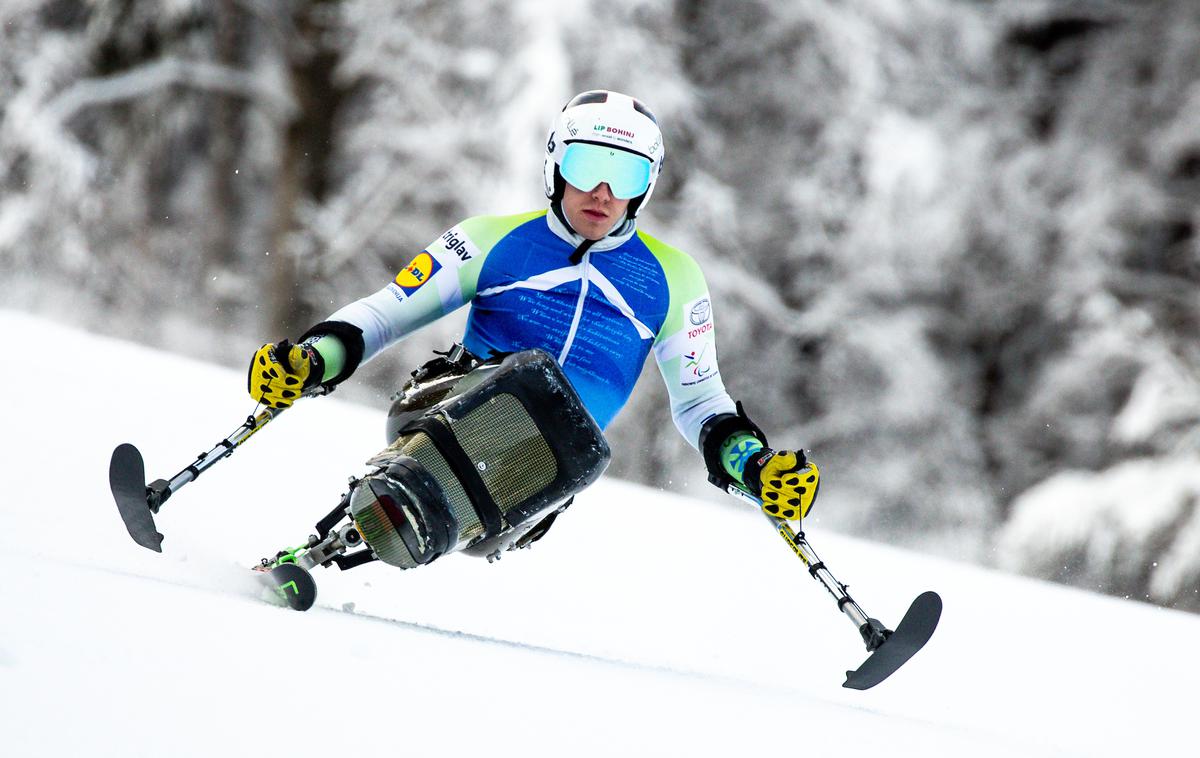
456, 245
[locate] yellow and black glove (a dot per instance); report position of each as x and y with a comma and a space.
784, 480
279, 373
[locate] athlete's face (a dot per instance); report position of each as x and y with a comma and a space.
593, 214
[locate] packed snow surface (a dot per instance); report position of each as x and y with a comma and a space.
645, 624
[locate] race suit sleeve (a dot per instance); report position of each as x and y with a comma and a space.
438, 280
686, 348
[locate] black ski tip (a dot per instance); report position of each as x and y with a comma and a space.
127, 479
911, 634
290, 585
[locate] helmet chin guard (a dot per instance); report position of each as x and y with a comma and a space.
609, 119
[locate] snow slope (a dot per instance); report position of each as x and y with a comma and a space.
646, 624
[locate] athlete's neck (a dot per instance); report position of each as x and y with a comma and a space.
620, 233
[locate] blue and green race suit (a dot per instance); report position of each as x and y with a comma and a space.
600, 315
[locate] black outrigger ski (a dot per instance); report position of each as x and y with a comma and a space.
286, 578
889, 649
138, 501
893, 649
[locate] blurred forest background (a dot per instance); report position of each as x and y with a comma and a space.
952, 245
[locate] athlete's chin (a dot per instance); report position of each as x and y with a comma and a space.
592, 229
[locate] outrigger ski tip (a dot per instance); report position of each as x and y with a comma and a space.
913, 631
286, 583
139, 501
889, 649
127, 478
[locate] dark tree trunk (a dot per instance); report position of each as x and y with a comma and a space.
226, 133
304, 166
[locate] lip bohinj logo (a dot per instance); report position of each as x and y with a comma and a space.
613, 130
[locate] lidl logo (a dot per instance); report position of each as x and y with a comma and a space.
412, 276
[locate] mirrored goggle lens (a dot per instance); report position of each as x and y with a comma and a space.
584, 166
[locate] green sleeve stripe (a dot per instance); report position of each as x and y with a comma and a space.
333, 355
685, 282
485, 232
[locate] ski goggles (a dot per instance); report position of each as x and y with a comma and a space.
585, 165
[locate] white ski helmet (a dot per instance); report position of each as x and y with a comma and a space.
603, 136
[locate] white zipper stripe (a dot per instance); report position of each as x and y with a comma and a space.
584, 278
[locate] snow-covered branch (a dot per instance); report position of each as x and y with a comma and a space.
164, 73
